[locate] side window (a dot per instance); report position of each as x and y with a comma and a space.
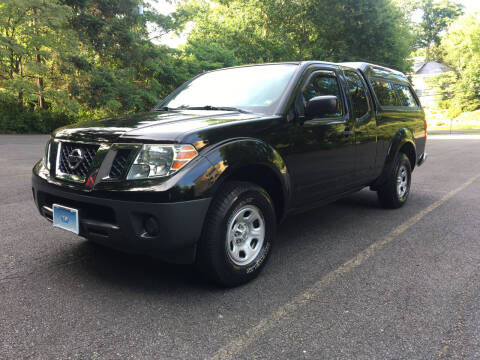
393, 94
407, 97
357, 92
401, 98
320, 85
384, 91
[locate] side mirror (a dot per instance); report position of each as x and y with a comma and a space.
321, 106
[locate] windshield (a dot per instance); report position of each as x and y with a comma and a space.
250, 88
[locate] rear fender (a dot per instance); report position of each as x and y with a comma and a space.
402, 137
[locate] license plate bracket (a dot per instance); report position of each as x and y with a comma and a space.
66, 218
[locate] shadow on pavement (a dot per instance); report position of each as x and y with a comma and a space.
147, 274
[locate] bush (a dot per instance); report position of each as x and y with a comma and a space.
15, 119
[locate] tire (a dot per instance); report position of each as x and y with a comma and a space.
393, 194
231, 250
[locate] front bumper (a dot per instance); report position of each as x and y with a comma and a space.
124, 224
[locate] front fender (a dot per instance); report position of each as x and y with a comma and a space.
229, 158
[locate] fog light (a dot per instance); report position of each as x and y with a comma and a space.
151, 226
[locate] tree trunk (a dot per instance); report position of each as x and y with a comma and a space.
41, 100
427, 53
20, 92
38, 57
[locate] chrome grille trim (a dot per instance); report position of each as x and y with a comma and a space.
120, 163
107, 166
80, 174
121, 157
48, 212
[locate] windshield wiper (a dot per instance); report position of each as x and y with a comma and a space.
210, 107
205, 107
166, 108
162, 108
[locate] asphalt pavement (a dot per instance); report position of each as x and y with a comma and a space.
346, 281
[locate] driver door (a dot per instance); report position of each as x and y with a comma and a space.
322, 157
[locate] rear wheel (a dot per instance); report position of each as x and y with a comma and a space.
394, 192
238, 234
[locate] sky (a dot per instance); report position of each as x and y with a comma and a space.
165, 8
470, 5
173, 40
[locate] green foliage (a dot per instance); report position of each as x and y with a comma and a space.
371, 30
460, 91
33, 40
72, 60
256, 31
15, 119
461, 44
80, 59
34, 122
436, 15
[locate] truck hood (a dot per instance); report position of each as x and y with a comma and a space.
166, 126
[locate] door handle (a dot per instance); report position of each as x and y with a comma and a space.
347, 132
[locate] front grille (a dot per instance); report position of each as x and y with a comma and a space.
119, 164
81, 168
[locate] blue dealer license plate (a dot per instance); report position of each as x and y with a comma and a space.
65, 218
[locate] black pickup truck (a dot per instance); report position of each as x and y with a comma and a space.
207, 175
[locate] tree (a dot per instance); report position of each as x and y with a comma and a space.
361, 30
87, 57
33, 39
460, 91
124, 71
249, 31
436, 16
276, 30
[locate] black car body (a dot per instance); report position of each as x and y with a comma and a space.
304, 150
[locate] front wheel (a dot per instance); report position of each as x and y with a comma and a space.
394, 192
238, 234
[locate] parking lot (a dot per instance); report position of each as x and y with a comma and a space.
346, 281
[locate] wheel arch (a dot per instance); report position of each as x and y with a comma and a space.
254, 161
408, 148
404, 142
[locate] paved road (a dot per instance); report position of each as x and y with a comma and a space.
348, 280
454, 131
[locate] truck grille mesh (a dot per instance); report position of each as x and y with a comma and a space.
82, 168
119, 164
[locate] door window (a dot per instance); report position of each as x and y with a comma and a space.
321, 85
393, 94
357, 93
385, 93
404, 95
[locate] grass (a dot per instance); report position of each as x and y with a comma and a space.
455, 127
438, 120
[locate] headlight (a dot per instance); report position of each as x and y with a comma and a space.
160, 160
46, 156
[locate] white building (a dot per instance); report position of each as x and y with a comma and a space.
422, 71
